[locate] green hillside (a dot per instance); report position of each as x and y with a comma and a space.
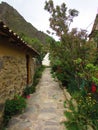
18, 24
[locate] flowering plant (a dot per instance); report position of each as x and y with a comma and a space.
93, 88
85, 115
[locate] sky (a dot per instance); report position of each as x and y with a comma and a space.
33, 12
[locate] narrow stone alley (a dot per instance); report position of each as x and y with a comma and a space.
45, 110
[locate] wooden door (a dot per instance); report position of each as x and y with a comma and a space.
28, 68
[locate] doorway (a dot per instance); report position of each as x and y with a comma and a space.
28, 68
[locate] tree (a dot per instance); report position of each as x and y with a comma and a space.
72, 61
60, 19
72, 45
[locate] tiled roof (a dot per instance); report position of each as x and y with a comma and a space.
95, 27
4, 30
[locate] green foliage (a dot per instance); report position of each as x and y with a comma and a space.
73, 85
37, 75
73, 54
31, 89
95, 80
84, 114
36, 44
74, 63
19, 25
78, 61
13, 107
86, 71
59, 20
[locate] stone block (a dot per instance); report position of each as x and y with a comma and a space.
1, 65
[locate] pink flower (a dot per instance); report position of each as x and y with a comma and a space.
28, 96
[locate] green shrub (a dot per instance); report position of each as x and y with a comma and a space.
29, 90
13, 107
85, 115
38, 75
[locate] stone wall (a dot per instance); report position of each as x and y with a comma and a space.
13, 71
13, 75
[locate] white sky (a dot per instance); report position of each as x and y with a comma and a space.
33, 12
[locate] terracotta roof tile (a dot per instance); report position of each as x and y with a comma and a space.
8, 32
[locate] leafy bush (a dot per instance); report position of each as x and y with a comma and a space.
38, 75
29, 90
74, 61
13, 107
85, 115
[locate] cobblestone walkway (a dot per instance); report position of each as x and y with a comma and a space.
45, 109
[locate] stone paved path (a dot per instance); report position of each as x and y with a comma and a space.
45, 109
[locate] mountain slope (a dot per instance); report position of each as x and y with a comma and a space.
17, 23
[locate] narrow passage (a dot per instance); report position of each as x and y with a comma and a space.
45, 109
